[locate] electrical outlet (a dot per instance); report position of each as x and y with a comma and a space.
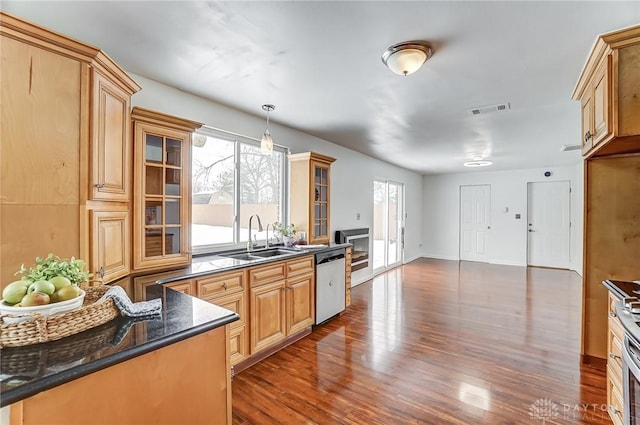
357, 216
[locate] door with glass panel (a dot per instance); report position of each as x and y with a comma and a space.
388, 224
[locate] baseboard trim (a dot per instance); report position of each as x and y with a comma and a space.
593, 361
261, 355
440, 257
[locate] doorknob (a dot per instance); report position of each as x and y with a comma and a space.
488, 227
530, 230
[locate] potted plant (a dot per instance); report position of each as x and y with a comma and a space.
285, 231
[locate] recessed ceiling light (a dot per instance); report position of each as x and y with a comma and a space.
477, 161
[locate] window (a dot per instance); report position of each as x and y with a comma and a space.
231, 180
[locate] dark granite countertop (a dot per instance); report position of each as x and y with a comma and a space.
623, 289
207, 264
28, 370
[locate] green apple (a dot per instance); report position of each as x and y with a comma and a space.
43, 286
13, 292
60, 281
35, 298
66, 293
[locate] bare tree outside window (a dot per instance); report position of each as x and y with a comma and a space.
259, 188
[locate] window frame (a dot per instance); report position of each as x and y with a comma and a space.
239, 140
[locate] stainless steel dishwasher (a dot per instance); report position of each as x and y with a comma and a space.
330, 275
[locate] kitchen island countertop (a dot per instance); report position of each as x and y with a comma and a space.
28, 370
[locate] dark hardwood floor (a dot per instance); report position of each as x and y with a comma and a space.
436, 342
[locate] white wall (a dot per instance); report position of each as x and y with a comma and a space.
352, 174
508, 236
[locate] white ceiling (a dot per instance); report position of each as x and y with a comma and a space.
319, 63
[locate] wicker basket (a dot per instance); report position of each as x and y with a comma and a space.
51, 328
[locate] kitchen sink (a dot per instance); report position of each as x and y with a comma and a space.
272, 252
259, 254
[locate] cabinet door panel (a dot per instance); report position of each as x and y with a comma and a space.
267, 315
587, 119
111, 142
601, 103
110, 244
300, 303
40, 131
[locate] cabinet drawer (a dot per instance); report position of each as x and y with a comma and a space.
238, 345
266, 274
300, 266
184, 286
234, 302
615, 399
614, 361
611, 308
220, 284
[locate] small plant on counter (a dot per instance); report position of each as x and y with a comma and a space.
284, 229
52, 266
286, 232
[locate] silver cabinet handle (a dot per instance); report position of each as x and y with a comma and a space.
613, 409
612, 314
614, 356
224, 285
101, 272
99, 185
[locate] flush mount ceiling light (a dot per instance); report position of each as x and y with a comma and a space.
406, 58
266, 144
477, 161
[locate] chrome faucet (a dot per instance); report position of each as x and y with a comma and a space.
266, 244
260, 229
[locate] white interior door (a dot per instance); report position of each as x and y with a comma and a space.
475, 222
549, 227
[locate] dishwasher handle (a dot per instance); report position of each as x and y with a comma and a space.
329, 256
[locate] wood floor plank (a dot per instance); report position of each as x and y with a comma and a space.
436, 342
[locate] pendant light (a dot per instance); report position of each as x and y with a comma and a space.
266, 144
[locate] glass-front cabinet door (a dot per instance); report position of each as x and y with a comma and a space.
161, 195
320, 201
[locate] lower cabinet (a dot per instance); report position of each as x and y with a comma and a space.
110, 244
282, 301
615, 338
274, 301
228, 290
267, 315
299, 303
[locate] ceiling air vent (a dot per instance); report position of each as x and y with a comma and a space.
491, 108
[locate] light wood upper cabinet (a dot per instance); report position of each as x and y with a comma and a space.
111, 166
311, 195
609, 92
162, 192
65, 113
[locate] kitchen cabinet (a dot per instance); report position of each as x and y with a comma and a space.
614, 364
609, 93
162, 192
300, 294
347, 279
187, 382
142, 283
311, 195
111, 166
229, 290
282, 301
111, 246
65, 144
